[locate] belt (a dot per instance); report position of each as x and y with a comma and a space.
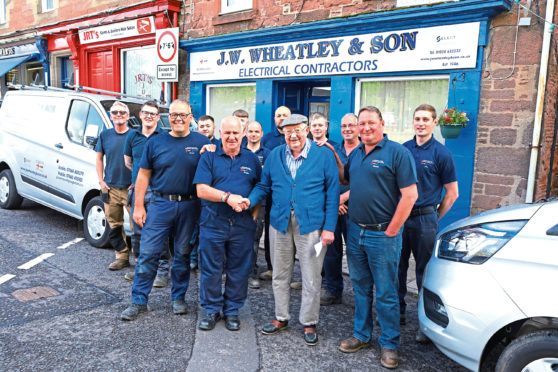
418, 211
374, 227
175, 197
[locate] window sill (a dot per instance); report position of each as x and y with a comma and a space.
240, 16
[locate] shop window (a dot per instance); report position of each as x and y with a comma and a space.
34, 71
82, 114
398, 98
13, 73
139, 66
229, 6
47, 5
66, 71
224, 99
2, 11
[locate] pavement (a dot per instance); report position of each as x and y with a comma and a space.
64, 314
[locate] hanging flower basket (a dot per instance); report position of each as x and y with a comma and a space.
451, 122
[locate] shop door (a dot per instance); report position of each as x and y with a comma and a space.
305, 98
100, 71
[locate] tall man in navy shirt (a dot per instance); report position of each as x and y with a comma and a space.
436, 172
383, 181
114, 179
168, 165
223, 177
133, 152
302, 178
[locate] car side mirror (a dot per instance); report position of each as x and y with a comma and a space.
552, 231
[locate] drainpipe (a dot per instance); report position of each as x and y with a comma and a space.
543, 71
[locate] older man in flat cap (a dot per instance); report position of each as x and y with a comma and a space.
303, 181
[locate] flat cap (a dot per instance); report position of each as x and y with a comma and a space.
294, 119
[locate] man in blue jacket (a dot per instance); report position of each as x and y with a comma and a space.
303, 181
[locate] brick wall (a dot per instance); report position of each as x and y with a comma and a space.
507, 112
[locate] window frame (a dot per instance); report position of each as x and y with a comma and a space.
45, 8
224, 85
91, 106
123, 66
226, 9
3, 12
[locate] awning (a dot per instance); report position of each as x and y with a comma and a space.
6, 64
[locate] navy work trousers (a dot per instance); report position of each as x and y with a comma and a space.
226, 244
165, 218
333, 261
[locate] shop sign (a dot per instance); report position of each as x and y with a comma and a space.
166, 44
9, 51
431, 48
120, 30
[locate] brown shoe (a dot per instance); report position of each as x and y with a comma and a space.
390, 358
296, 285
119, 264
352, 345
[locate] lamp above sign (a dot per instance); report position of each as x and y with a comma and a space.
430, 48
120, 30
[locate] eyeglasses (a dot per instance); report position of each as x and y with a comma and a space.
174, 115
150, 114
346, 126
119, 113
289, 132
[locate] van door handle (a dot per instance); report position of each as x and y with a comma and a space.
59, 146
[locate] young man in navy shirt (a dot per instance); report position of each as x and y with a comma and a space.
168, 165
206, 126
435, 172
114, 179
223, 177
133, 152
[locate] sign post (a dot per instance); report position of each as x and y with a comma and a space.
166, 44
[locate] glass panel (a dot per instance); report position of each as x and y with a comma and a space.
10, 76
224, 100
139, 73
77, 120
2, 11
47, 5
32, 70
94, 119
397, 101
228, 6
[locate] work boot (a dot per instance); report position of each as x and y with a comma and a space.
389, 358
327, 299
129, 276
161, 281
132, 311
179, 307
421, 337
254, 283
296, 285
119, 264
266, 275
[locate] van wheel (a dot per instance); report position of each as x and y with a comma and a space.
9, 198
95, 226
537, 351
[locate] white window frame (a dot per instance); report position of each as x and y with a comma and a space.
2, 11
404, 3
44, 6
245, 5
122, 66
226, 85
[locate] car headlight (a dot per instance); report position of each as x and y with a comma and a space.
477, 243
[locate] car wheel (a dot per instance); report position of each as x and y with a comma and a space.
95, 226
9, 198
537, 351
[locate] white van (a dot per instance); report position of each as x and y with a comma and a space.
47, 152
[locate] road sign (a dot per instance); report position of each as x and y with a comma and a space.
167, 54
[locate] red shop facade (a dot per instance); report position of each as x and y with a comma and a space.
112, 50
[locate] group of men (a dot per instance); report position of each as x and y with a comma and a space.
381, 198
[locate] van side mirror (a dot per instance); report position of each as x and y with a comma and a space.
91, 135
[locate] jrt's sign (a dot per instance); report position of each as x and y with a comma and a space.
141, 26
432, 48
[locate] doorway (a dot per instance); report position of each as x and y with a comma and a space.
305, 97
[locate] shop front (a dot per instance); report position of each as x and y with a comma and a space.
23, 62
115, 52
393, 60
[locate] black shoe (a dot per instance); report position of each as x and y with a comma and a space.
208, 323
232, 322
327, 299
402, 319
310, 335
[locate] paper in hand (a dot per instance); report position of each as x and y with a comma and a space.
318, 247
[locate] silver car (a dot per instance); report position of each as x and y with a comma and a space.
490, 293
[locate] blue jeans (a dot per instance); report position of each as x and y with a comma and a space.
165, 218
373, 259
333, 261
226, 245
419, 237
166, 258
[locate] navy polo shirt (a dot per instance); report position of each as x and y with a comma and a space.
435, 168
260, 153
273, 139
111, 145
236, 175
173, 162
375, 180
340, 150
215, 141
134, 145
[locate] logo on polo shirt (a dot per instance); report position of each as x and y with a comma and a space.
192, 150
427, 163
246, 170
377, 163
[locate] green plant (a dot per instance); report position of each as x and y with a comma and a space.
453, 116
